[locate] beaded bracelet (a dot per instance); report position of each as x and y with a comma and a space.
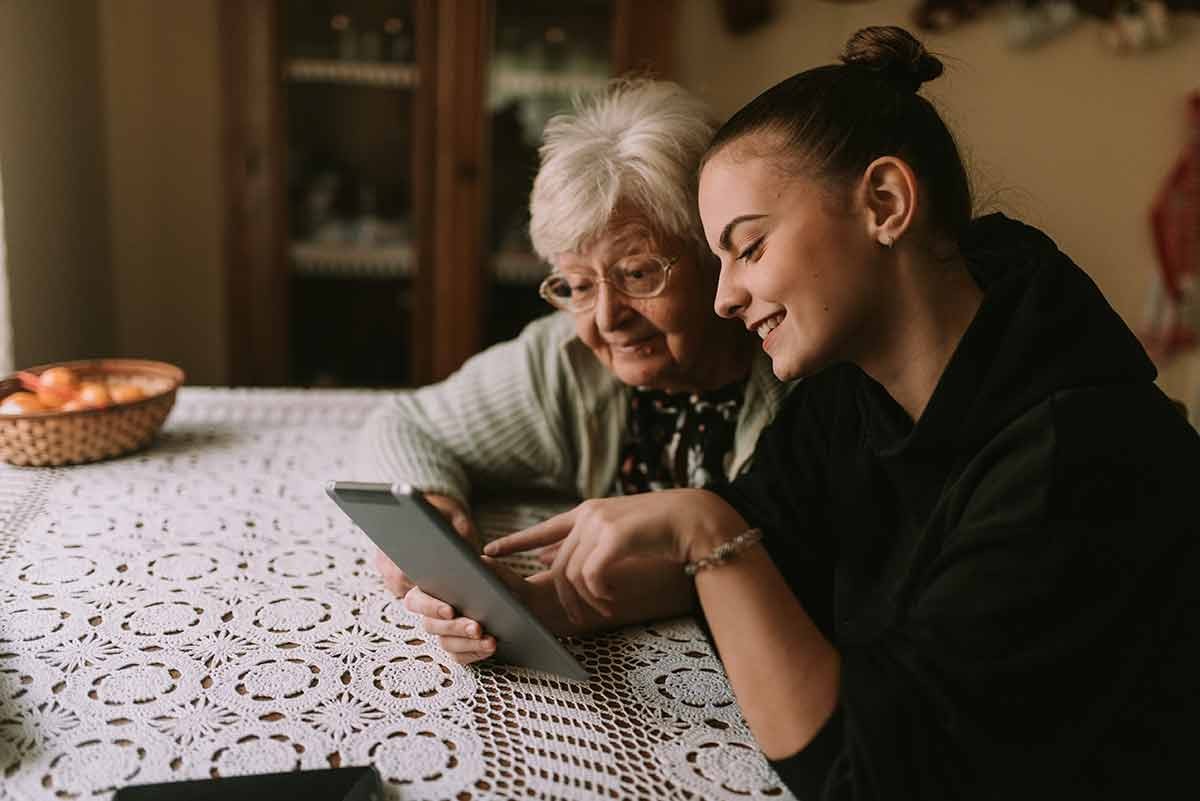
720, 555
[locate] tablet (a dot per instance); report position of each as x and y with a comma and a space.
422, 542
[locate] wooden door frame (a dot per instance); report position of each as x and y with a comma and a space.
457, 269
643, 37
424, 213
253, 155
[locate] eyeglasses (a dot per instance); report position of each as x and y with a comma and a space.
635, 276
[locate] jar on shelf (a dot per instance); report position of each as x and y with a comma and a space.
398, 40
347, 38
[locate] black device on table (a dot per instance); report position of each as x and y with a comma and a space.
332, 784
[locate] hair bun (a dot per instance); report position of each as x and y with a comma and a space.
894, 53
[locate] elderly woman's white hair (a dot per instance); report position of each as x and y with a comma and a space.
638, 143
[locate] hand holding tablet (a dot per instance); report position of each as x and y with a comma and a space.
415, 535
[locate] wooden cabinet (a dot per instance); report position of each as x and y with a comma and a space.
378, 159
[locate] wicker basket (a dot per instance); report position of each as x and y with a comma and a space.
88, 435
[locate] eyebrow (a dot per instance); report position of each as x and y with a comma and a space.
727, 231
625, 243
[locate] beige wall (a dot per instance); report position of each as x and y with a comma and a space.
163, 129
1069, 137
54, 183
110, 156
7, 365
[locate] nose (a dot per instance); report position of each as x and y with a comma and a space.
731, 299
611, 309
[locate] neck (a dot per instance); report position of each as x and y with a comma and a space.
726, 361
931, 307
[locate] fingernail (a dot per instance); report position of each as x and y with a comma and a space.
446, 612
489, 549
473, 630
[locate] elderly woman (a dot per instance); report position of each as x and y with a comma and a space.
635, 384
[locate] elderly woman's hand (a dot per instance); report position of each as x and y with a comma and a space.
671, 524
393, 577
461, 637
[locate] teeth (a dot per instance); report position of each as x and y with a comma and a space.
769, 325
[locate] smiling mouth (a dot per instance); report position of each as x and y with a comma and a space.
641, 347
770, 324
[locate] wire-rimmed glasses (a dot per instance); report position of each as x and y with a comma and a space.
639, 276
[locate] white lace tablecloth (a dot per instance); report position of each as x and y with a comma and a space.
201, 609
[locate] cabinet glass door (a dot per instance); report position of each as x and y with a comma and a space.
543, 53
349, 75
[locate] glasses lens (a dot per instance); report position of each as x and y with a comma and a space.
639, 276
567, 293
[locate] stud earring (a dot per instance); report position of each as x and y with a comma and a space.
887, 240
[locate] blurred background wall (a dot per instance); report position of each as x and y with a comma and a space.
7, 365
109, 157
111, 136
53, 170
162, 131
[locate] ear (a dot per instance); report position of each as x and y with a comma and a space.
889, 194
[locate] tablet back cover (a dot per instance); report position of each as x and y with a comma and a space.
418, 538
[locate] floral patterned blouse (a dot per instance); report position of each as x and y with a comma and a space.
678, 439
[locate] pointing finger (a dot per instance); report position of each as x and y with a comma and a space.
544, 533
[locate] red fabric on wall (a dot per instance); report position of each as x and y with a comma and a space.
1175, 225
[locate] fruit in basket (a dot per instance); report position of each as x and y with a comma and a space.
61, 379
60, 389
54, 387
126, 393
21, 403
94, 394
52, 399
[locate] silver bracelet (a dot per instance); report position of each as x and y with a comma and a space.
721, 554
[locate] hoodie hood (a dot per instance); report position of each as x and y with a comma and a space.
1043, 327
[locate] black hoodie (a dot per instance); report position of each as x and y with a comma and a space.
1012, 582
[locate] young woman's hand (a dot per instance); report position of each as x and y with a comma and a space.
461, 637
675, 525
546, 555
393, 577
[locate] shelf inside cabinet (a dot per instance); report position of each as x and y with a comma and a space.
515, 81
516, 267
381, 74
337, 259
350, 260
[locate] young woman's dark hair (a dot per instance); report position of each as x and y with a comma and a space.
832, 121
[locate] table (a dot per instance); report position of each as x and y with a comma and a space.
202, 609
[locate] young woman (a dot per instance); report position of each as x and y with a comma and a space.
965, 562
